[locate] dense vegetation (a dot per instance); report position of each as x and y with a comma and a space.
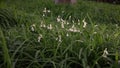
108, 1
41, 34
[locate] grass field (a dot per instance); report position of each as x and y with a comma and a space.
41, 34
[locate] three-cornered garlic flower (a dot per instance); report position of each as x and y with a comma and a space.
45, 10
42, 24
43, 15
49, 27
48, 11
78, 22
62, 25
84, 23
67, 23
67, 34
73, 26
33, 27
95, 25
59, 38
58, 19
105, 53
94, 32
73, 29
40, 37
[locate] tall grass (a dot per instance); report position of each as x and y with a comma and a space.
58, 36
6, 55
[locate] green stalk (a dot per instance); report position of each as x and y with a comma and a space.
7, 60
116, 59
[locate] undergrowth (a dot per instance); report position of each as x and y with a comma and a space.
59, 36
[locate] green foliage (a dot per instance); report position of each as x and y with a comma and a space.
7, 60
6, 19
87, 36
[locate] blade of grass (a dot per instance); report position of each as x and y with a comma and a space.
7, 59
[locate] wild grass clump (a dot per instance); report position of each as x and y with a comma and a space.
55, 36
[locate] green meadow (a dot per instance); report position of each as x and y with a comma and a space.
42, 34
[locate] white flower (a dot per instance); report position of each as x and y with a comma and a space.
73, 29
62, 25
84, 23
43, 15
39, 37
33, 27
67, 23
48, 11
45, 10
50, 27
94, 32
42, 24
60, 40
78, 22
105, 53
76, 30
70, 29
58, 19
95, 25
73, 26
67, 34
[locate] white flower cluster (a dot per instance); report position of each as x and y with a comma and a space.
64, 25
45, 11
73, 29
59, 38
42, 24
